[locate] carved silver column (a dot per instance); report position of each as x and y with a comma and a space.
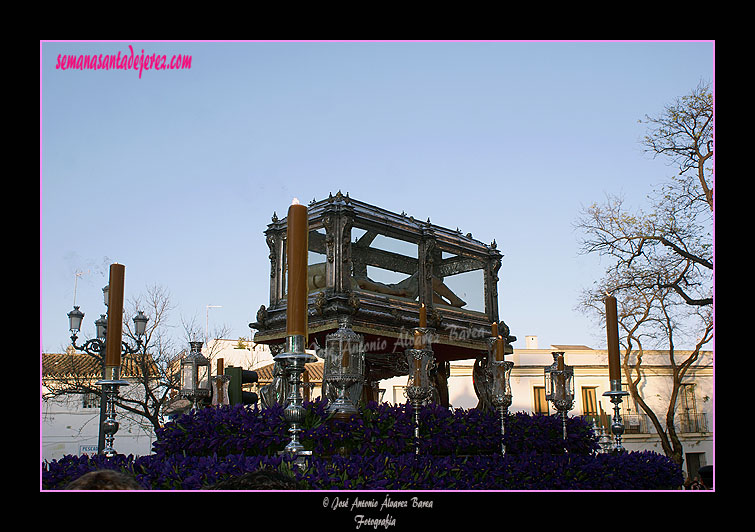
293, 360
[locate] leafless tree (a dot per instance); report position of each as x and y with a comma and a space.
652, 319
661, 261
671, 245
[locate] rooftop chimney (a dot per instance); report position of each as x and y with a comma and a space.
530, 342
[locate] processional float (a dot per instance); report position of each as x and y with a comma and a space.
365, 328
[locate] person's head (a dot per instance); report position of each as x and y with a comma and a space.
262, 479
706, 476
104, 479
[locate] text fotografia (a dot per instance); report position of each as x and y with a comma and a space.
357, 504
374, 522
125, 61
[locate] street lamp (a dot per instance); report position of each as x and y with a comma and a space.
140, 324
101, 325
195, 375
75, 317
96, 348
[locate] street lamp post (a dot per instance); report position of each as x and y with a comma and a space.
96, 348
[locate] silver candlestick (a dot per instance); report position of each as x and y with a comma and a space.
293, 360
617, 427
110, 425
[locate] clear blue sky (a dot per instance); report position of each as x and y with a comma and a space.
176, 175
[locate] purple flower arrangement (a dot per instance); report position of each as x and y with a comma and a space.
459, 449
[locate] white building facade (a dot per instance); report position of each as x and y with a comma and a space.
71, 425
694, 414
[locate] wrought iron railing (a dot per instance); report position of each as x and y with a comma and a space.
640, 423
633, 423
688, 422
636, 424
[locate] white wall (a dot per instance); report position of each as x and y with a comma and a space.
68, 428
591, 369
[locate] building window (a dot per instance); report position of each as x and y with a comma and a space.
541, 405
90, 400
399, 394
589, 403
688, 418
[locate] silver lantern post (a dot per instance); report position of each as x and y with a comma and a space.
418, 390
344, 366
559, 386
293, 360
196, 384
500, 385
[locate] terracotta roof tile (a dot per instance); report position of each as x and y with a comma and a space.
73, 364
314, 371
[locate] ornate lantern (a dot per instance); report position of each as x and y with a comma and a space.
101, 325
499, 376
344, 367
140, 324
75, 317
195, 375
559, 386
501, 392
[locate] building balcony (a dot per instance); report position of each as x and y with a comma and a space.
640, 424
636, 424
633, 423
687, 423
